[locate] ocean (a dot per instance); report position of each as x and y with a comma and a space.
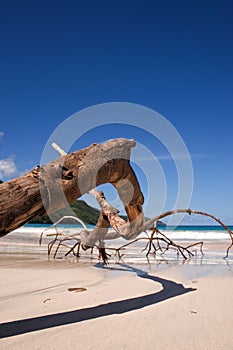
23, 243
196, 232
178, 232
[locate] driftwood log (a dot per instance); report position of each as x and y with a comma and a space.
60, 182
55, 185
130, 230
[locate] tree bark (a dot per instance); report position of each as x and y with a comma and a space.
60, 182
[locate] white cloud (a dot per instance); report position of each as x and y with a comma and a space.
142, 154
167, 157
7, 167
1, 134
183, 157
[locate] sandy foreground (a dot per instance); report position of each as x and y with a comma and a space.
122, 306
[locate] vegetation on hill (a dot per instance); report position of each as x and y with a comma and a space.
81, 209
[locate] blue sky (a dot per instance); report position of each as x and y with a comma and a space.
175, 57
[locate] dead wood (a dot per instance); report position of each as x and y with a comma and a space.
60, 182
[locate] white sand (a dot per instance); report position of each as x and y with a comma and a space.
172, 306
119, 310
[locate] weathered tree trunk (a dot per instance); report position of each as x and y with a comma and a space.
60, 182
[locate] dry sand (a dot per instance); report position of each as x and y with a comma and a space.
171, 306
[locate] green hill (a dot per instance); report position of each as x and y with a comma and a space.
80, 208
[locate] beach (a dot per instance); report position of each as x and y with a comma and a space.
65, 303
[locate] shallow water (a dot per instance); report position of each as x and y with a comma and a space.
22, 246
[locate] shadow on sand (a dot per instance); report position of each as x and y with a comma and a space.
170, 290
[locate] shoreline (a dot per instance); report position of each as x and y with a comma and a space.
25, 243
62, 303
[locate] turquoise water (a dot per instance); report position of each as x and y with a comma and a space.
179, 232
194, 228
25, 241
164, 228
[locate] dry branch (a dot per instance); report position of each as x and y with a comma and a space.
197, 212
156, 241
